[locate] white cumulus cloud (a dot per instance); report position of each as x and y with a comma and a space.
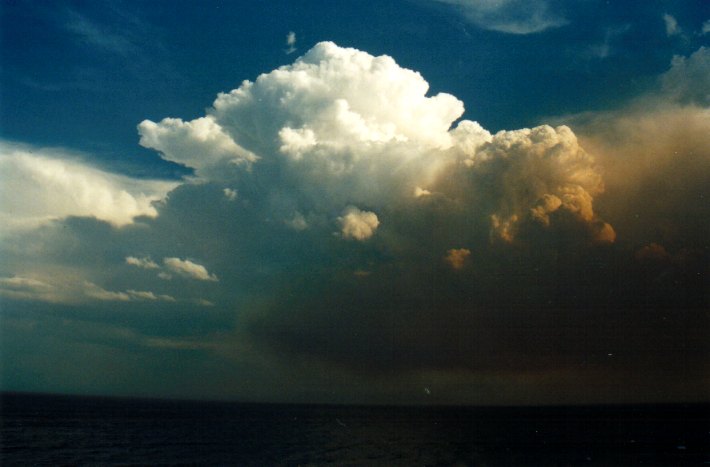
341, 128
200, 144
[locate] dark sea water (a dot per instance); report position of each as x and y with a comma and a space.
71, 430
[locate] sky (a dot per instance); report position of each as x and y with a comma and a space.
403, 202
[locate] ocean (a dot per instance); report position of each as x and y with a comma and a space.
78, 430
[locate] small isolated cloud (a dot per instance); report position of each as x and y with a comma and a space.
357, 224
672, 28
297, 222
187, 268
203, 302
456, 257
705, 28
144, 263
230, 194
290, 42
509, 16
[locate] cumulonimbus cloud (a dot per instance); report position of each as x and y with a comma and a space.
343, 128
355, 221
343, 146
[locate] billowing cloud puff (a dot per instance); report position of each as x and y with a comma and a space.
187, 142
342, 128
334, 97
187, 268
532, 174
338, 121
37, 186
357, 224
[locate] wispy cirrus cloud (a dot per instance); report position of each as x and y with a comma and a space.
100, 36
509, 16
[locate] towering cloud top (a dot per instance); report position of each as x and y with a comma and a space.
338, 96
340, 128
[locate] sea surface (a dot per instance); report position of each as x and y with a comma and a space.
77, 430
